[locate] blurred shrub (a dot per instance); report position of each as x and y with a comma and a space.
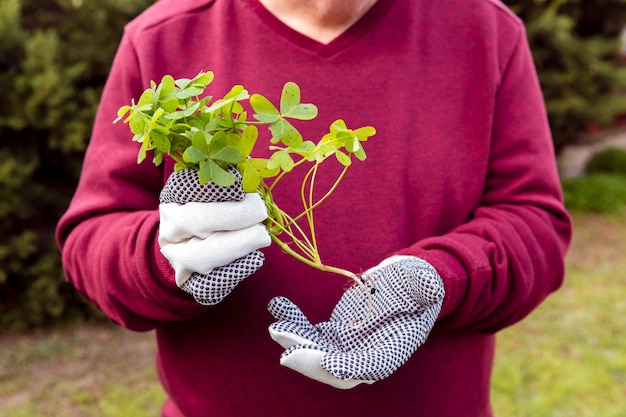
598, 193
54, 59
609, 160
576, 48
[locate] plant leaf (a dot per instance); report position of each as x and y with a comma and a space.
251, 177
121, 112
141, 155
146, 98
158, 158
249, 137
338, 125
228, 154
211, 171
290, 105
170, 105
343, 158
261, 165
360, 154
167, 86
204, 78
194, 155
365, 132
200, 141
161, 142
281, 159
265, 111
283, 131
138, 123
182, 83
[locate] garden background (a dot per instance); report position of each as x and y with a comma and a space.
58, 356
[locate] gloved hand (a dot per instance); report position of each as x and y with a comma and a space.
371, 332
210, 234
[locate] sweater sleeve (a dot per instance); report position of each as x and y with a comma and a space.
108, 235
499, 265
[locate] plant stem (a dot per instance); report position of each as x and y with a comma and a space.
317, 265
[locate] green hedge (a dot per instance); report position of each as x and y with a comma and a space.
609, 160
603, 187
603, 193
575, 46
54, 59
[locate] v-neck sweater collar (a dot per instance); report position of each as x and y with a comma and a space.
370, 19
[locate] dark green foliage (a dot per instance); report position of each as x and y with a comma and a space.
598, 193
54, 59
575, 46
609, 160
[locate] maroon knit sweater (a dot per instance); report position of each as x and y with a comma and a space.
461, 173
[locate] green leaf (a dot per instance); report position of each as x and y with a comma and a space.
203, 78
228, 154
281, 159
249, 137
365, 132
194, 90
158, 158
182, 83
194, 155
237, 93
121, 112
290, 105
221, 151
161, 142
146, 98
168, 85
251, 177
265, 111
139, 137
141, 155
261, 166
170, 105
304, 149
217, 142
200, 141
138, 123
343, 158
338, 125
211, 171
283, 131
220, 176
353, 144
360, 154
290, 97
157, 114
191, 109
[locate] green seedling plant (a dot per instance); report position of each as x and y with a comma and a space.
175, 118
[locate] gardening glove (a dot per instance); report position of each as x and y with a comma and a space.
210, 234
373, 329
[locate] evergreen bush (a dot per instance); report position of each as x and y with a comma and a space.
596, 193
576, 48
609, 160
54, 59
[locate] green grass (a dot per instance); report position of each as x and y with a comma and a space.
568, 358
101, 371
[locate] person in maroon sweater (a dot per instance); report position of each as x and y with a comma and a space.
457, 214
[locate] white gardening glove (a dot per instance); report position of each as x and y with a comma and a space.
210, 234
371, 332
